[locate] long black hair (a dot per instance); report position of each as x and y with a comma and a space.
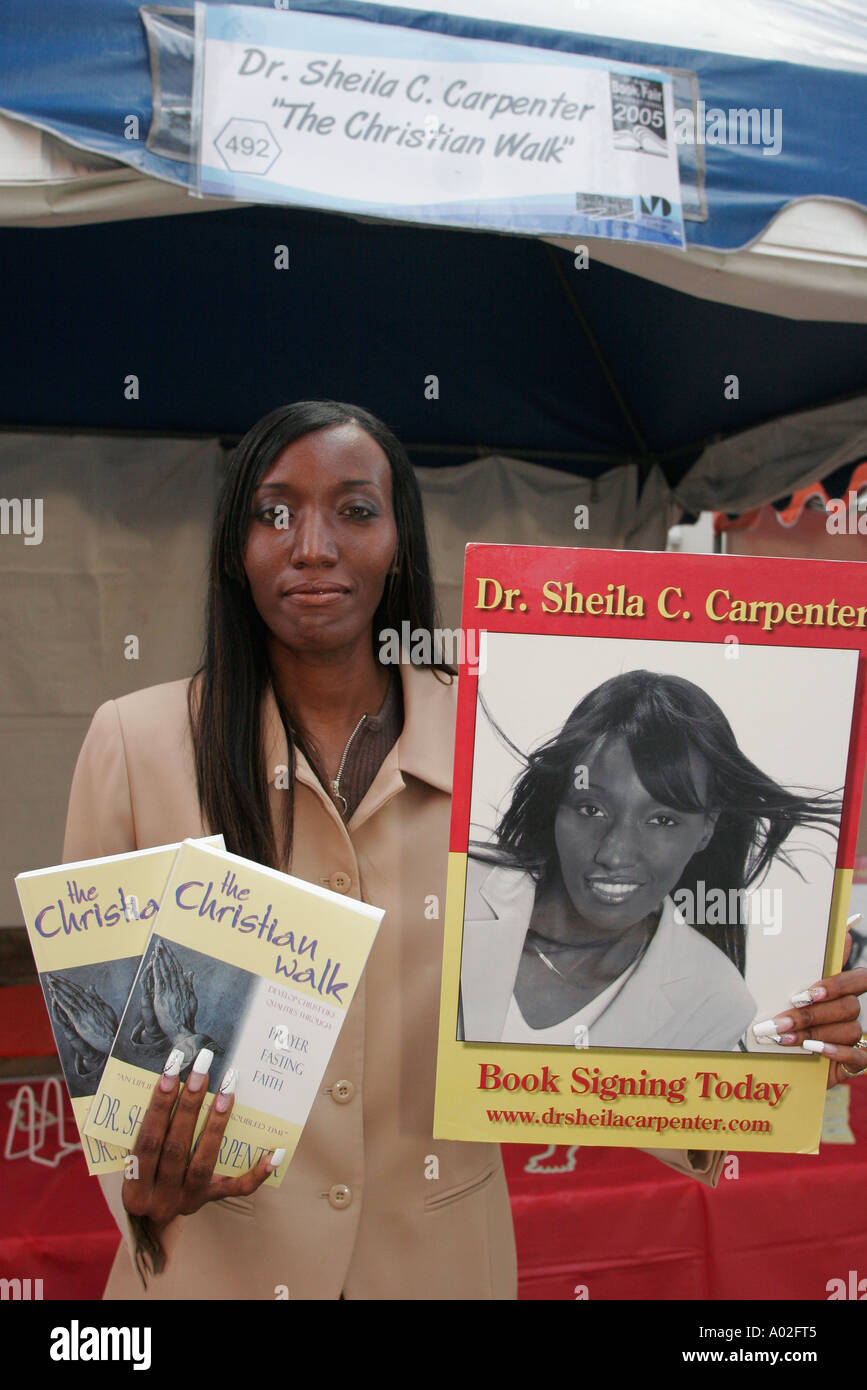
226, 691
662, 718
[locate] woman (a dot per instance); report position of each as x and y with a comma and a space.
640, 804
308, 754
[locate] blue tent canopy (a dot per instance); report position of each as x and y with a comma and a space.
217, 336
80, 71
575, 371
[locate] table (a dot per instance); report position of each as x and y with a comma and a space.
619, 1225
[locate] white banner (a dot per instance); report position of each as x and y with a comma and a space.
372, 118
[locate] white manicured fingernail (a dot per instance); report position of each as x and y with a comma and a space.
171, 1069
227, 1090
276, 1159
805, 997
766, 1029
856, 917
201, 1067
766, 1037
811, 1046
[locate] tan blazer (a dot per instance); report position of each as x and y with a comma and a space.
401, 1234
684, 995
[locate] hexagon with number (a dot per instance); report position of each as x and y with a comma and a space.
246, 146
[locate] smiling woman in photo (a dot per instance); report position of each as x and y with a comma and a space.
571, 931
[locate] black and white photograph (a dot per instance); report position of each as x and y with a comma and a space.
653, 838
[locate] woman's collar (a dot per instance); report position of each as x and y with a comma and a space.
425, 747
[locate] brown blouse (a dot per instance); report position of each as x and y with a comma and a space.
366, 752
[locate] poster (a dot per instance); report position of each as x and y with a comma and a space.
652, 845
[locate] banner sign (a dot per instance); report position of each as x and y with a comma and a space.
383, 121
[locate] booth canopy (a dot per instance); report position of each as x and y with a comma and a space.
785, 233
578, 372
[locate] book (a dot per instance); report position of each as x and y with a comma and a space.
260, 968
658, 771
87, 924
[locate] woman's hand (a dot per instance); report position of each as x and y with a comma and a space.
168, 1181
826, 1019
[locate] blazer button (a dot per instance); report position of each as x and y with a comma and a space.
342, 1092
339, 1196
340, 882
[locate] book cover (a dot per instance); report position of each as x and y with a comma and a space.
256, 965
658, 771
87, 924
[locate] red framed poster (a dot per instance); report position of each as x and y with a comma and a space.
658, 768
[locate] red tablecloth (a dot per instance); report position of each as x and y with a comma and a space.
623, 1226
617, 1224
54, 1224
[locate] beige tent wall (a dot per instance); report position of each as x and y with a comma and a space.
502, 499
123, 555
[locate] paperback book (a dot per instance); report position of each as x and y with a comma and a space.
260, 968
88, 923
658, 771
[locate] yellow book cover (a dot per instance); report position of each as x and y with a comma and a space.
256, 965
88, 924
658, 769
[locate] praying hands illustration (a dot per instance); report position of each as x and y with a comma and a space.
168, 1006
84, 1019
146, 1031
